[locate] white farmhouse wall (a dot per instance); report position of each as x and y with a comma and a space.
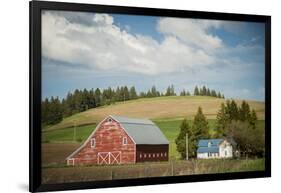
202, 155
225, 150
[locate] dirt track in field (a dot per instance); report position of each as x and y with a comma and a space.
56, 153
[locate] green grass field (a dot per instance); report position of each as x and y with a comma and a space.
68, 134
169, 127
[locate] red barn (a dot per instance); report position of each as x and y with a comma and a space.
122, 140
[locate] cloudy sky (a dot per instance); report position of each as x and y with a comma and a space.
88, 50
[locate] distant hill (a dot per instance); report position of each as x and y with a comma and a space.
172, 107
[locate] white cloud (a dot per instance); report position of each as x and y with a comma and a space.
104, 46
193, 32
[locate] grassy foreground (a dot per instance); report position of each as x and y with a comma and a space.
174, 168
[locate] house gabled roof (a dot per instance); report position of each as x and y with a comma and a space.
208, 150
203, 145
205, 142
142, 131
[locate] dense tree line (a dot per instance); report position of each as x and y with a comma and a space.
184, 93
232, 112
54, 109
198, 130
240, 124
204, 91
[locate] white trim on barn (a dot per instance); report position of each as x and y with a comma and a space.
71, 160
109, 157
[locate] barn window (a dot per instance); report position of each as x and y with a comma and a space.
161, 154
153, 155
144, 155
125, 141
109, 120
165, 154
140, 155
93, 143
157, 154
149, 155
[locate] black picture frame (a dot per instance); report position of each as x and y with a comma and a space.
35, 8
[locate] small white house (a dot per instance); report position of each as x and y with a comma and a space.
214, 148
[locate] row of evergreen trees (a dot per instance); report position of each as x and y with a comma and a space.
232, 112
198, 130
204, 91
54, 109
234, 122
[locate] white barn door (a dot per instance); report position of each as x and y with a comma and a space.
109, 157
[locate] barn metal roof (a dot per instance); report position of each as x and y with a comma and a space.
142, 131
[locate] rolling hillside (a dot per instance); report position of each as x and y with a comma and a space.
175, 107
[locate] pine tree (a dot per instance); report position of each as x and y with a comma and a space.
204, 91
222, 121
92, 102
181, 139
196, 91
253, 119
153, 91
244, 111
213, 93
173, 90
133, 93
98, 98
234, 112
168, 91
183, 93
126, 93
200, 127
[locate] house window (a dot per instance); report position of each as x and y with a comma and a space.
149, 155
144, 155
157, 154
93, 143
209, 144
165, 154
109, 120
140, 155
225, 153
161, 154
153, 155
125, 141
